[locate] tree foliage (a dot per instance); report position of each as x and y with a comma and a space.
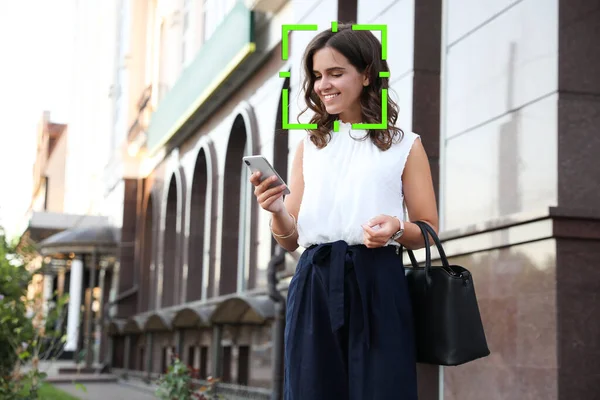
30, 327
14, 279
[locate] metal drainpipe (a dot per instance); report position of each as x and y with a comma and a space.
279, 327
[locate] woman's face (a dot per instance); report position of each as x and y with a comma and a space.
338, 84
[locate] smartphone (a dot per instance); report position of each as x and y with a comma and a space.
260, 163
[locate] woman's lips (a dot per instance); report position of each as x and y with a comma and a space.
329, 97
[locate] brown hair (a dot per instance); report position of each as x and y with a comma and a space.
363, 51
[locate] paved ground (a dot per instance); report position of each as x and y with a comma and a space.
106, 391
95, 389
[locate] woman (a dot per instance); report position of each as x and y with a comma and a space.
349, 331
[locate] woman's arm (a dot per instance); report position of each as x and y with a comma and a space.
419, 197
282, 223
420, 202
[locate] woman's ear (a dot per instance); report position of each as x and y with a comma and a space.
366, 74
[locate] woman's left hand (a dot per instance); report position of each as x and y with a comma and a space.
378, 231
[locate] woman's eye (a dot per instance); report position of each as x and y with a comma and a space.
317, 78
336, 75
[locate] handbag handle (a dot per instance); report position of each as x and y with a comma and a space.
413, 260
428, 229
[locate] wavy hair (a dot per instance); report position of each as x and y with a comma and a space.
363, 51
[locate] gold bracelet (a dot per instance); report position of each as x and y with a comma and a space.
283, 236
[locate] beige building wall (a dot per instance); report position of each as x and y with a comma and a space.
55, 171
49, 166
90, 116
141, 13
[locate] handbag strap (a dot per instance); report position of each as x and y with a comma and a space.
411, 255
426, 228
413, 259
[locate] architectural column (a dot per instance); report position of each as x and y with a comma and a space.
179, 342
149, 352
110, 350
217, 351
47, 293
60, 282
48, 286
75, 287
100, 315
127, 356
89, 339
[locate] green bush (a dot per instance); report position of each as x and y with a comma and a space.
177, 384
28, 331
17, 329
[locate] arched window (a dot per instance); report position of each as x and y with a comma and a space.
146, 295
196, 239
238, 266
169, 272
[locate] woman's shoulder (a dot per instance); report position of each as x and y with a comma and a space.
409, 136
306, 141
310, 142
406, 140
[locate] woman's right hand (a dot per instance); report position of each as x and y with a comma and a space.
269, 199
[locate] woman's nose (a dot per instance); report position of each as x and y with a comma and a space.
324, 83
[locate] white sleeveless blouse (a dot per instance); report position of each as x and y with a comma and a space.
347, 183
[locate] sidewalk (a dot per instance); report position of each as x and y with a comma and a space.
104, 391
98, 386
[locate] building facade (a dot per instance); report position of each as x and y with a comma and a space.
505, 98
58, 263
74, 240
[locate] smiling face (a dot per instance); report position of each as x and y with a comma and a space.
338, 84
342, 81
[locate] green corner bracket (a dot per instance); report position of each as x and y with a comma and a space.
285, 95
382, 74
382, 28
286, 29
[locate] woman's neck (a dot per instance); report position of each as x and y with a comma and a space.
351, 116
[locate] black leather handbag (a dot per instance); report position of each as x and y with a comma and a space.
448, 327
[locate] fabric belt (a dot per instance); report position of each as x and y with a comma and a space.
339, 253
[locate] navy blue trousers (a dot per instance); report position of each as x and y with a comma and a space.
349, 330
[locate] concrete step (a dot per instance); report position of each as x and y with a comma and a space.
82, 378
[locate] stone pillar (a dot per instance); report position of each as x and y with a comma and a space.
179, 343
217, 350
578, 246
60, 283
47, 293
75, 287
100, 315
88, 339
149, 352
126, 358
48, 286
110, 351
